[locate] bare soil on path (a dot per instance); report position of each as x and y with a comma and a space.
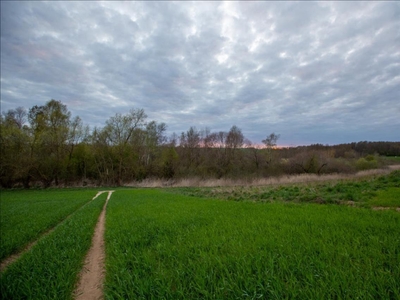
90, 285
14, 257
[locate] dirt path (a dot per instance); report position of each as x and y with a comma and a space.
90, 285
14, 257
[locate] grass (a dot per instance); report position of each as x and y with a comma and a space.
386, 198
50, 269
167, 246
25, 215
254, 181
391, 159
358, 191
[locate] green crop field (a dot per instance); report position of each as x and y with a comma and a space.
292, 241
50, 269
25, 215
166, 246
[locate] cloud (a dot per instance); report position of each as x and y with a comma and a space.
325, 72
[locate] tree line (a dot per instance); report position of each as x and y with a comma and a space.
46, 145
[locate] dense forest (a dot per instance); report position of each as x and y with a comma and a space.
46, 146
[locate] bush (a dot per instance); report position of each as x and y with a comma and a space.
370, 158
339, 165
366, 164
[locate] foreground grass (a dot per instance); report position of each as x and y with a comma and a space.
25, 215
50, 269
360, 192
165, 246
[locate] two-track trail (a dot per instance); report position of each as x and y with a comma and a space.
14, 257
90, 285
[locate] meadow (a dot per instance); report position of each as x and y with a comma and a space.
369, 191
318, 240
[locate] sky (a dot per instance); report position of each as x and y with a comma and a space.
313, 72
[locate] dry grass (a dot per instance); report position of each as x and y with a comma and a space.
290, 179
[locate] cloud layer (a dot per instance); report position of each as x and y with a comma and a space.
315, 72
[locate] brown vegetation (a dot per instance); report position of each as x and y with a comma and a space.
278, 180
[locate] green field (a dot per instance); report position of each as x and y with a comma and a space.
302, 241
50, 269
166, 246
25, 215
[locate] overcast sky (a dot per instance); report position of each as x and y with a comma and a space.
313, 72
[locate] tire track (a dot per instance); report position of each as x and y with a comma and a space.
14, 257
91, 279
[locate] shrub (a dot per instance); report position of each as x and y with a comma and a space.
370, 157
364, 164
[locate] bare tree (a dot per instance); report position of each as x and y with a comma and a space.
189, 148
270, 142
17, 116
255, 153
116, 136
235, 138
